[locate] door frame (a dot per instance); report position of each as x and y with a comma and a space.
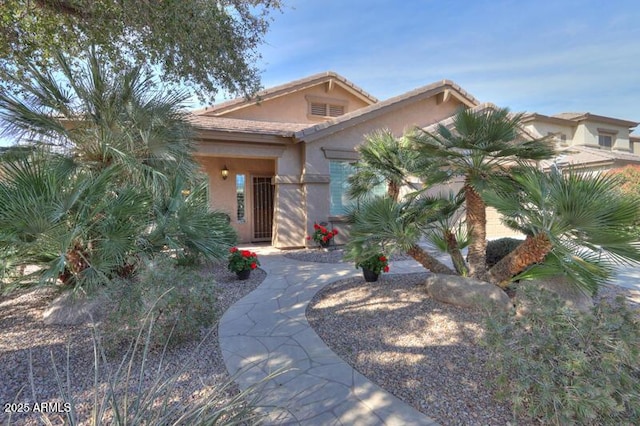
254, 208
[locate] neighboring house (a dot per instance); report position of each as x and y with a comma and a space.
585, 141
279, 163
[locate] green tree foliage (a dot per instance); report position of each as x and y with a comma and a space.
207, 44
480, 147
585, 219
110, 176
384, 159
579, 226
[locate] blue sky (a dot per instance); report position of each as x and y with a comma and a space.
545, 56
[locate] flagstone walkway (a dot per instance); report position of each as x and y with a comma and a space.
267, 331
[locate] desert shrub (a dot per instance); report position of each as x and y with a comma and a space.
564, 367
136, 393
180, 301
498, 249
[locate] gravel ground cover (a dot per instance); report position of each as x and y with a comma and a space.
423, 351
25, 336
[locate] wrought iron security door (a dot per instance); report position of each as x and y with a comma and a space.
262, 208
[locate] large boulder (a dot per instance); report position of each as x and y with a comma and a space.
572, 296
76, 309
466, 292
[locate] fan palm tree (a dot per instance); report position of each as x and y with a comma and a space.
381, 223
104, 182
101, 118
79, 226
580, 225
482, 146
384, 159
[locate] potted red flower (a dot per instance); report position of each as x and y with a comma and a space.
373, 267
242, 262
322, 235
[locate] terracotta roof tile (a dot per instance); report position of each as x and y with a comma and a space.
429, 90
284, 89
584, 156
246, 126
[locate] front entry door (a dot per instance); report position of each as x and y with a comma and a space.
262, 208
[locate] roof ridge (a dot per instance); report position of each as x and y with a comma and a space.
285, 88
441, 84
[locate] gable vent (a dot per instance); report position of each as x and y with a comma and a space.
336, 110
326, 110
318, 109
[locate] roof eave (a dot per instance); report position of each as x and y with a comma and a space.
235, 136
329, 77
368, 113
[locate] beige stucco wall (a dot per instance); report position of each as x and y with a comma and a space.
589, 131
495, 227
293, 108
222, 193
584, 133
316, 164
281, 162
542, 129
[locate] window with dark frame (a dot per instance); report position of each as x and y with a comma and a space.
605, 141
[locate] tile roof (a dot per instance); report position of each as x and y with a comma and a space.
386, 105
287, 88
246, 126
585, 156
570, 115
581, 116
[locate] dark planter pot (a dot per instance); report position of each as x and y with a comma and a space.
244, 275
369, 276
324, 244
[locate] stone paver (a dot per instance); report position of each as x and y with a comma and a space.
267, 332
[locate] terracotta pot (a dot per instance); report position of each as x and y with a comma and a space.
243, 275
369, 276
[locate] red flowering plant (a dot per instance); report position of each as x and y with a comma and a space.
376, 264
242, 260
322, 235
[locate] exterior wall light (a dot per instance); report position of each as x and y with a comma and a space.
224, 172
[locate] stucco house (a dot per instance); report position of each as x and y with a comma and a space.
278, 163
585, 141
286, 154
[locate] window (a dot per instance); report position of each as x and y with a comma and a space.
338, 187
605, 141
558, 137
240, 198
606, 137
340, 202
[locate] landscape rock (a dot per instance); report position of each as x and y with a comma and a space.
572, 296
76, 309
466, 292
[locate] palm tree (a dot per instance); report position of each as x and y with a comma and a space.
79, 226
482, 146
102, 118
579, 225
381, 223
104, 182
384, 159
